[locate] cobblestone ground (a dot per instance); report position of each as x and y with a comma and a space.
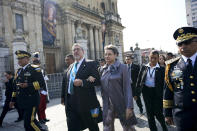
56, 113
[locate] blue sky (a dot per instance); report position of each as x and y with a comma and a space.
151, 23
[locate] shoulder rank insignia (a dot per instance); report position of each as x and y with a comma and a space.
172, 60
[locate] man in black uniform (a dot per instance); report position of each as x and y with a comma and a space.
28, 79
134, 69
180, 94
8, 93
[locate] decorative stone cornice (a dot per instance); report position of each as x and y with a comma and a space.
22, 6
82, 8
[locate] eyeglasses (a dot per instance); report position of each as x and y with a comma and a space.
185, 43
77, 49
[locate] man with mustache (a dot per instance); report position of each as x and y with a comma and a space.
180, 94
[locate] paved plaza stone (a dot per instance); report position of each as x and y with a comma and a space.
56, 113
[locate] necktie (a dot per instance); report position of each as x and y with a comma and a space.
129, 67
72, 78
189, 65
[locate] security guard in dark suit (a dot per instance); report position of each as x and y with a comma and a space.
180, 94
134, 71
28, 79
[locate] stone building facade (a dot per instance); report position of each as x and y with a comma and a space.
80, 21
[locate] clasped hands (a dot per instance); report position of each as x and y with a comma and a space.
78, 82
91, 79
22, 85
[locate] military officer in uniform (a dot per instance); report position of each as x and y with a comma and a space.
180, 94
28, 79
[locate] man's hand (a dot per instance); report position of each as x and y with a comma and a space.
11, 104
78, 82
169, 120
62, 101
129, 113
91, 79
23, 85
135, 98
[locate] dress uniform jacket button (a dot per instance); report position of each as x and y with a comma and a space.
192, 84
193, 100
191, 77
193, 92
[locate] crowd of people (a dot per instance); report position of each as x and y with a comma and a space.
166, 83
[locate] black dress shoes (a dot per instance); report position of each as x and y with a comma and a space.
46, 120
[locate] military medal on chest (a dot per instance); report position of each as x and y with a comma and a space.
176, 73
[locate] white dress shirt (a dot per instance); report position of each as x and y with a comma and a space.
193, 58
150, 76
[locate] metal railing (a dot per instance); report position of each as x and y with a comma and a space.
54, 85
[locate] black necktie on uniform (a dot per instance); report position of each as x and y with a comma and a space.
189, 65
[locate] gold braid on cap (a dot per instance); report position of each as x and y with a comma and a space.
22, 55
185, 37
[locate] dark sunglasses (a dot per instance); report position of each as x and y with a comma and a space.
185, 43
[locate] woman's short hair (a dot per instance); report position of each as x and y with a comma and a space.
113, 48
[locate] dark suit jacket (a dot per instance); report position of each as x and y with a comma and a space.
159, 80
85, 96
134, 74
9, 88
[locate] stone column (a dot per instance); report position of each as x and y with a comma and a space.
80, 39
91, 39
38, 38
18, 44
97, 43
68, 36
100, 43
73, 31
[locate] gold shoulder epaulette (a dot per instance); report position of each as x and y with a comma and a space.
35, 66
172, 60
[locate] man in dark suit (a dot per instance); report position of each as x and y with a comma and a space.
180, 94
80, 97
150, 82
69, 59
134, 70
